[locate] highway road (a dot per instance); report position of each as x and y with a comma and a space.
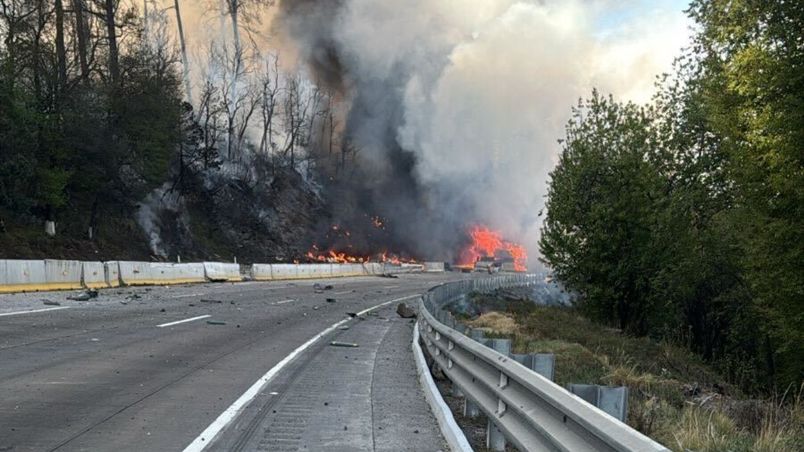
165, 367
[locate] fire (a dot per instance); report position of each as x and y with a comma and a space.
486, 242
336, 257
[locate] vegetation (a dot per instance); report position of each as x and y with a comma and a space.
674, 397
89, 113
683, 220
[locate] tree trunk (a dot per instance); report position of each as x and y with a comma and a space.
80, 30
61, 53
185, 62
111, 31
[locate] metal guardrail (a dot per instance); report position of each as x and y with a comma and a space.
532, 412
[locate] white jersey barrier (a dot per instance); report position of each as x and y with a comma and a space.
22, 275
220, 271
111, 271
434, 267
17, 275
62, 274
93, 275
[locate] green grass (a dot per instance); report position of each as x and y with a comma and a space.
675, 397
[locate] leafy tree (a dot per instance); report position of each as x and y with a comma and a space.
751, 54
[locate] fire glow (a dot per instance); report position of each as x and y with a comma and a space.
336, 257
488, 243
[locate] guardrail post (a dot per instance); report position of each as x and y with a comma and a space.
495, 440
541, 363
470, 409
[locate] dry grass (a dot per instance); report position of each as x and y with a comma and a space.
675, 397
496, 323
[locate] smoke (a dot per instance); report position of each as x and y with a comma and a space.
457, 105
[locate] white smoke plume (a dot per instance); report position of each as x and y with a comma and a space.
476, 91
480, 90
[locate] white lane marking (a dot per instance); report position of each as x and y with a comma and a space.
32, 311
183, 321
344, 292
188, 295
390, 287
216, 427
284, 301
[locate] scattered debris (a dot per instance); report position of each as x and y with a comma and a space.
405, 311
388, 275
123, 302
352, 314
331, 300
85, 295
162, 310
343, 344
203, 300
344, 328
215, 322
51, 302
133, 297
320, 288
315, 308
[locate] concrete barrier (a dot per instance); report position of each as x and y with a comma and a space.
18, 275
433, 267
170, 273
285, 271
262, 272
93, 275
111, 271
61, 275
158, 273
220, 271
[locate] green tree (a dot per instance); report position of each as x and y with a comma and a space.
751, 54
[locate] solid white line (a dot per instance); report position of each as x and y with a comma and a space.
216, 427
344, 292
183, 321
188, 295
32, 311
389, 287
449, 428
284, 301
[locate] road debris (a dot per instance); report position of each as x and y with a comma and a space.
343, 344
215, 322
84, 296
405, 311
203, 300
344, 328
388, 275
51, 302
331, 300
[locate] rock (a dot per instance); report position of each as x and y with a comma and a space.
405, 311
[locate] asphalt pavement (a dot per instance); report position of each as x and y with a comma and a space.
154, 368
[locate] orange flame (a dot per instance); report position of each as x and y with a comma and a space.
486, 242
335, 257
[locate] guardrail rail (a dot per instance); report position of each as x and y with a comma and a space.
530, 411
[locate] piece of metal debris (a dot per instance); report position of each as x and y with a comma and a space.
215, 322
343, 344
